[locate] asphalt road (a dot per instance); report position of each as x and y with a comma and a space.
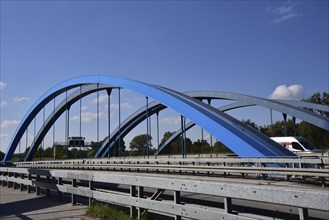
15, 204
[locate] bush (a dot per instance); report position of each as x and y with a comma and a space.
106, 212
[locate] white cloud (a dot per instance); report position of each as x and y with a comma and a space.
288, 92
19, 99
101, 98
9, 123
286, 8
2, 85
3, 104
285, 17
285, 12
88, 116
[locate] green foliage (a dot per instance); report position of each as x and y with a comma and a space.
106, 212
251, 124
317, 136
278, 129
317, 98
175, 147
220, 148
139, 144
2, 155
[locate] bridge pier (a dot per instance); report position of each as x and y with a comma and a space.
47, 189
91, 187
59, 193
21, 185
28, 187
228, 205
303, 214
37, 188
177, 200
133, 193
73, 196
140, 195
14, 183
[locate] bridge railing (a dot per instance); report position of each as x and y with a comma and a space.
252, 167
319, 161
144, 192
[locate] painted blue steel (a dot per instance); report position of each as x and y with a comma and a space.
58, 111
59, 91
192, 124
307, 105
126, 126
257, 140
243, 101
222, 127
200, 95
129, 122
293, 108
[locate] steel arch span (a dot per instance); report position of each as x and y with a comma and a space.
133, 120
154, 107
296, 110
234, 134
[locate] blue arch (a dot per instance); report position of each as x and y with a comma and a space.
234, 134
294, 108
61, 108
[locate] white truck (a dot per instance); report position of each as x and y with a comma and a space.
296, 144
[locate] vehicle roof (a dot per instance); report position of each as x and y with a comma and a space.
288, 138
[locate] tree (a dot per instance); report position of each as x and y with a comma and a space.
317, 136
199, 147
48, 152
175, 147
114, 151
2, 155
140, 143
251, 124
219, 147
278, 129
318, 99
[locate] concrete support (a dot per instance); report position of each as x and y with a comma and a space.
48, 190
21, 185
28, 187
91, 187
303, 214
14, 183
228, 205
140, 195
37, 189
133, 193
177, 200
73, 197
59, 193
8, 182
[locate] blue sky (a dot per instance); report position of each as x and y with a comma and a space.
276, 49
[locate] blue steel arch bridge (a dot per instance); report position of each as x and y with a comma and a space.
239, 137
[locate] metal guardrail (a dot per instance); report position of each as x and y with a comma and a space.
93, 185
283, 167
261, 161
